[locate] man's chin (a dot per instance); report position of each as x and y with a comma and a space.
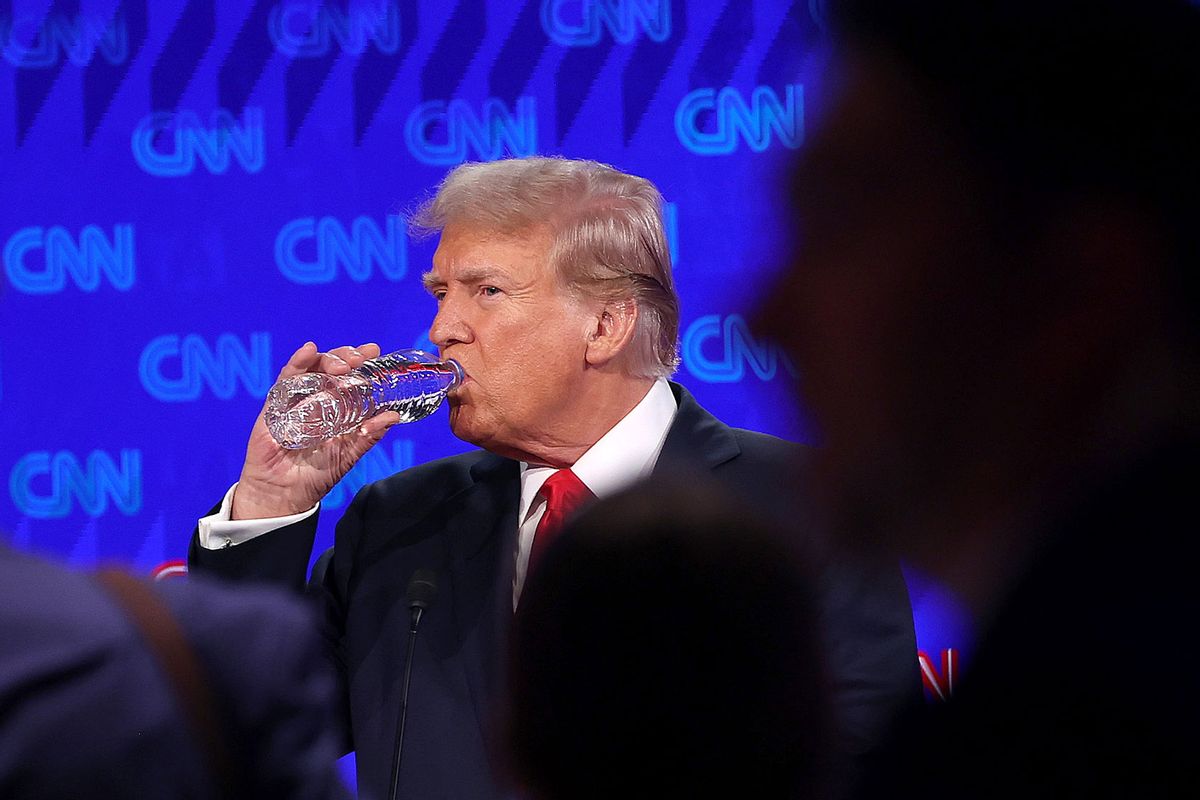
462, 428
456, 424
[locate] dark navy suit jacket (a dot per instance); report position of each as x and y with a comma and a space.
458, 517
86, 710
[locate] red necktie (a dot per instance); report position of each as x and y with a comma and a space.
564, 493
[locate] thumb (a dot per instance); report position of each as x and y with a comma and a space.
371, 431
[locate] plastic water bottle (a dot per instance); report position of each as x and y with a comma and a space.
305, 410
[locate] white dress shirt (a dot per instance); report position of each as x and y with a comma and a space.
625, 454
218, 530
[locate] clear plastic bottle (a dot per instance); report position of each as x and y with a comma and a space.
305, 410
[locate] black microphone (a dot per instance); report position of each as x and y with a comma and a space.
422, 589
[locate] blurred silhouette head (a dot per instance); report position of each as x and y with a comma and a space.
665, 647
992, 279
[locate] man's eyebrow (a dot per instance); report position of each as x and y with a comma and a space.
430, 280
480, 275
470, 275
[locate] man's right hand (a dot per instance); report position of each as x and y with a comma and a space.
276, 482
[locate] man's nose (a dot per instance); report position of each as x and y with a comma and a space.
449, 327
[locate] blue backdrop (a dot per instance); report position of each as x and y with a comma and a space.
193, 188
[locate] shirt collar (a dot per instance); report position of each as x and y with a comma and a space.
625, 454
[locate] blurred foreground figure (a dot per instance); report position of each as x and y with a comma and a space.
88, 709
667, 647
992, 301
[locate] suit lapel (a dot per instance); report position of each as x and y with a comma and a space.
482, 539
696, 437
482, 534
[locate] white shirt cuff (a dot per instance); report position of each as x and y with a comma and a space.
218, 531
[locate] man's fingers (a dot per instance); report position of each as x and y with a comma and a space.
351, 355
303, 360
375, 427
370, 432
355, 356
338, 361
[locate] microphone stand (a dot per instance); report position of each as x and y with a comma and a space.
422, 588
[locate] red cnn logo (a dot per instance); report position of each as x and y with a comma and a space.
168, 570
939, 683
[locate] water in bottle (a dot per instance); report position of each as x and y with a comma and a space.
305, 410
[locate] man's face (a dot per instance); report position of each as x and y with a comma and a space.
518, 334
881, 303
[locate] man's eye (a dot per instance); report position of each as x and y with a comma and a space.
489, 291
439, 295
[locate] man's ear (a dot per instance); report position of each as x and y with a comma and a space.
612, 331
